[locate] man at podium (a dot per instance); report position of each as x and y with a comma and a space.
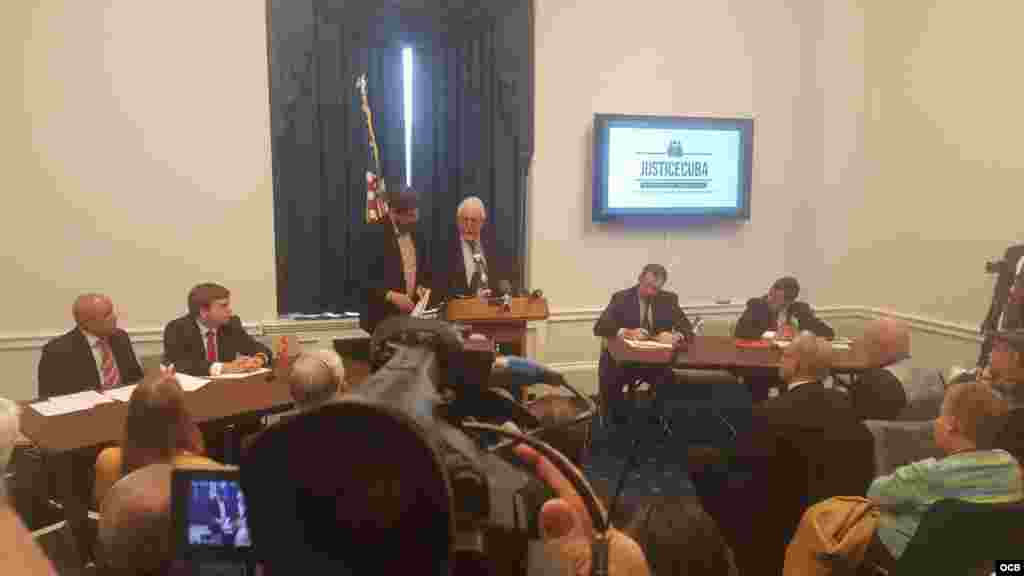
470, 258
641, 312
396, 278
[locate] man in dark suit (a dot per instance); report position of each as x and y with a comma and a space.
210, 339
643, 311
95, 355
779, 310
471, 261
397, 278
804, 446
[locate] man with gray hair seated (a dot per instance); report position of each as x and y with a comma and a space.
134, 535
316, 378
879, 392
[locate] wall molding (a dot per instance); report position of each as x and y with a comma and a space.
349, 327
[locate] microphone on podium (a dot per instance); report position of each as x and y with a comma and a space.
505, 291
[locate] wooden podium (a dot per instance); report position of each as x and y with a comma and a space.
491, 318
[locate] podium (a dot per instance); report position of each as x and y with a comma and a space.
492, 319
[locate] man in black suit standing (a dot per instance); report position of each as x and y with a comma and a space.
779, 311
397, 278
95, 355
470, 270
210, 339
643, 311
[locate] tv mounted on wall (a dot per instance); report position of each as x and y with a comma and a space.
658, 166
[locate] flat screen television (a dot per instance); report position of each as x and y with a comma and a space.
671, 166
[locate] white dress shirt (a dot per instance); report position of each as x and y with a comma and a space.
216, 367
97, 354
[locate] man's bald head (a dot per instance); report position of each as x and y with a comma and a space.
887, 340
806, 358
316, 378
94, 313
135, 522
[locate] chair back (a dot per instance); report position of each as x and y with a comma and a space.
958, 537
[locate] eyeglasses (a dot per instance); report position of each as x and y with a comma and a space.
466, 220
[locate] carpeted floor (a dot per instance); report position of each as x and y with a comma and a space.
701, 408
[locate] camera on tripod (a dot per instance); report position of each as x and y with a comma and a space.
996, 267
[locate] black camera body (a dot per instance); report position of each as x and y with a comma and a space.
408, 482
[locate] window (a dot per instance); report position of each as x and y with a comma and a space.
407, 110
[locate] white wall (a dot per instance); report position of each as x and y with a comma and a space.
136, 158
727, 58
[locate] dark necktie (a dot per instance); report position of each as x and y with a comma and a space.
648, 321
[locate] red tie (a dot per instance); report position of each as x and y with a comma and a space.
211, 346
111, 375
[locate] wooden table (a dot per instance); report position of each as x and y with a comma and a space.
60, 436
722, 353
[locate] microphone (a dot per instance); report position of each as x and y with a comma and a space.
478, 258
505, 289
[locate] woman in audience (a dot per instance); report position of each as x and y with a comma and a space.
968, 472
158, 429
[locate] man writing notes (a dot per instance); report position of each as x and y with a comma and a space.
470, 258
95, 355
779, 311
395, 280
210, 339
643, 311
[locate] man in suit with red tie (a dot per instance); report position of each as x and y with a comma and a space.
643, 311
210, 339
95, 355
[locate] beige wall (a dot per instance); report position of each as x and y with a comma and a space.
941, 188
136, 151
726, 58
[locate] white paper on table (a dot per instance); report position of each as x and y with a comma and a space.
80, 400
648, 344
124, 393
840, 346
238, 375
421, 306
191, 383
45, 408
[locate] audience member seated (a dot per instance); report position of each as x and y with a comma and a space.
157, 429
94, 355
1007, 370
643, 311
20, 555
678, 537
878, 393
779, 311
804, 446
970, 471
316, 377
555, 412
135, 524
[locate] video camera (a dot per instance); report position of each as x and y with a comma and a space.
996, 267
407, 470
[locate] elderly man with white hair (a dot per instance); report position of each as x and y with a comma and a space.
470, 270
316, 378
880, 392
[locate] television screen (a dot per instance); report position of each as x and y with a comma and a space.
671, 166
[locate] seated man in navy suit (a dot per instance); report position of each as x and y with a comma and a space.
210, 339
779, 310
94, 355
643, 311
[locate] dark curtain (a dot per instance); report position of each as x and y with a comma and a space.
472, 131
466, 135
